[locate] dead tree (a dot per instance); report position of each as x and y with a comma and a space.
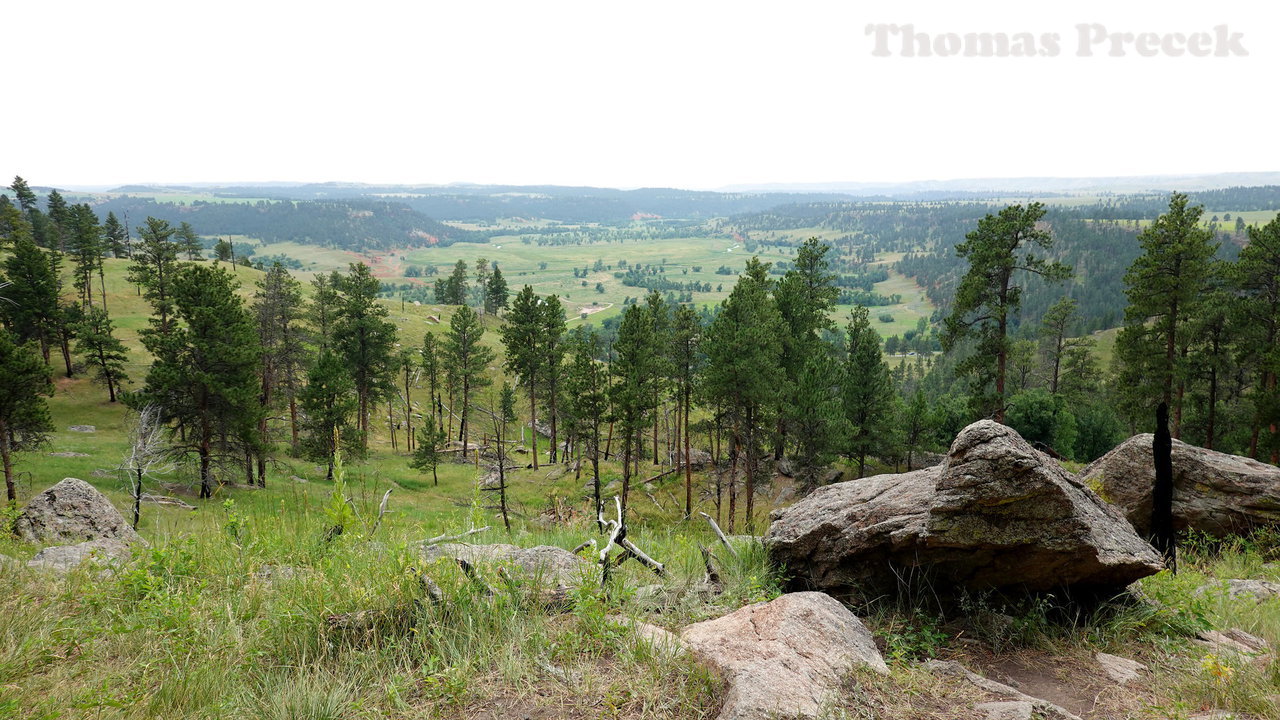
147, 453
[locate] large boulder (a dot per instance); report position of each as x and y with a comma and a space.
785, 657
70, 512
995, 514
1213, 492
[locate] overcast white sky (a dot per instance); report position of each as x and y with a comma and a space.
692, 93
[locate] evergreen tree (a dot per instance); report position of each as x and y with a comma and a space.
431, 371
1256, 325
915, 426
660, 317
495, 296
24, 412
22, 192
868, 390
366, 341
686, 361
805, 295
189, 242
116, 236
467, 361
455, 287
86, 250
815, 414
60, 221
744, 373
631, 392
522, 339
1056, 343
586, 394
431, 440
102, 352
32, 311
277, 310
328, 401
1165, 286
551, 365
155, 264
205, 375
323, 311
989, 295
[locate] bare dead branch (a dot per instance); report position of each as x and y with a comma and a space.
719, 533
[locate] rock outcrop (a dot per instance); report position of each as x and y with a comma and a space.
783, 658
995, 514
72, 511
1213, 492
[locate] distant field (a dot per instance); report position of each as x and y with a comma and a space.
188, 198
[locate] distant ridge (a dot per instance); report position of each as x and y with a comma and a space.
1131, 184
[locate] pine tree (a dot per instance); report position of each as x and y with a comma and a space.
686, 361
430, 360
366, 341
32, 311
116, 236
22, 193
205, 375
1256, 325
277, 310
155, 264
805, 295
102, 352
816, 414
1056, 343
189, 242
915, 426
1165, 286
86, 249
744, 373
455, 286
328, 401
659, 316
24, 412
522, 339
427, 455
60, 221
323, 310
551, 365
868, 390
467, 361
495, 296
990, 295
586, 394
631, 393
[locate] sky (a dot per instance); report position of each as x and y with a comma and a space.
695, 93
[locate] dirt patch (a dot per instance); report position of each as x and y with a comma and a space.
1075, 682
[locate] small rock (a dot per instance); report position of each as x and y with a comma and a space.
62, 559
662, 641
1121, 670
100, 473
1216, 715
783, 657
68, 454
300, 480
1235, 589
83, 428
1007, 710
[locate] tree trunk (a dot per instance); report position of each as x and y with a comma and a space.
688, 470
137, 497
734, 451
6, 459
533, 421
